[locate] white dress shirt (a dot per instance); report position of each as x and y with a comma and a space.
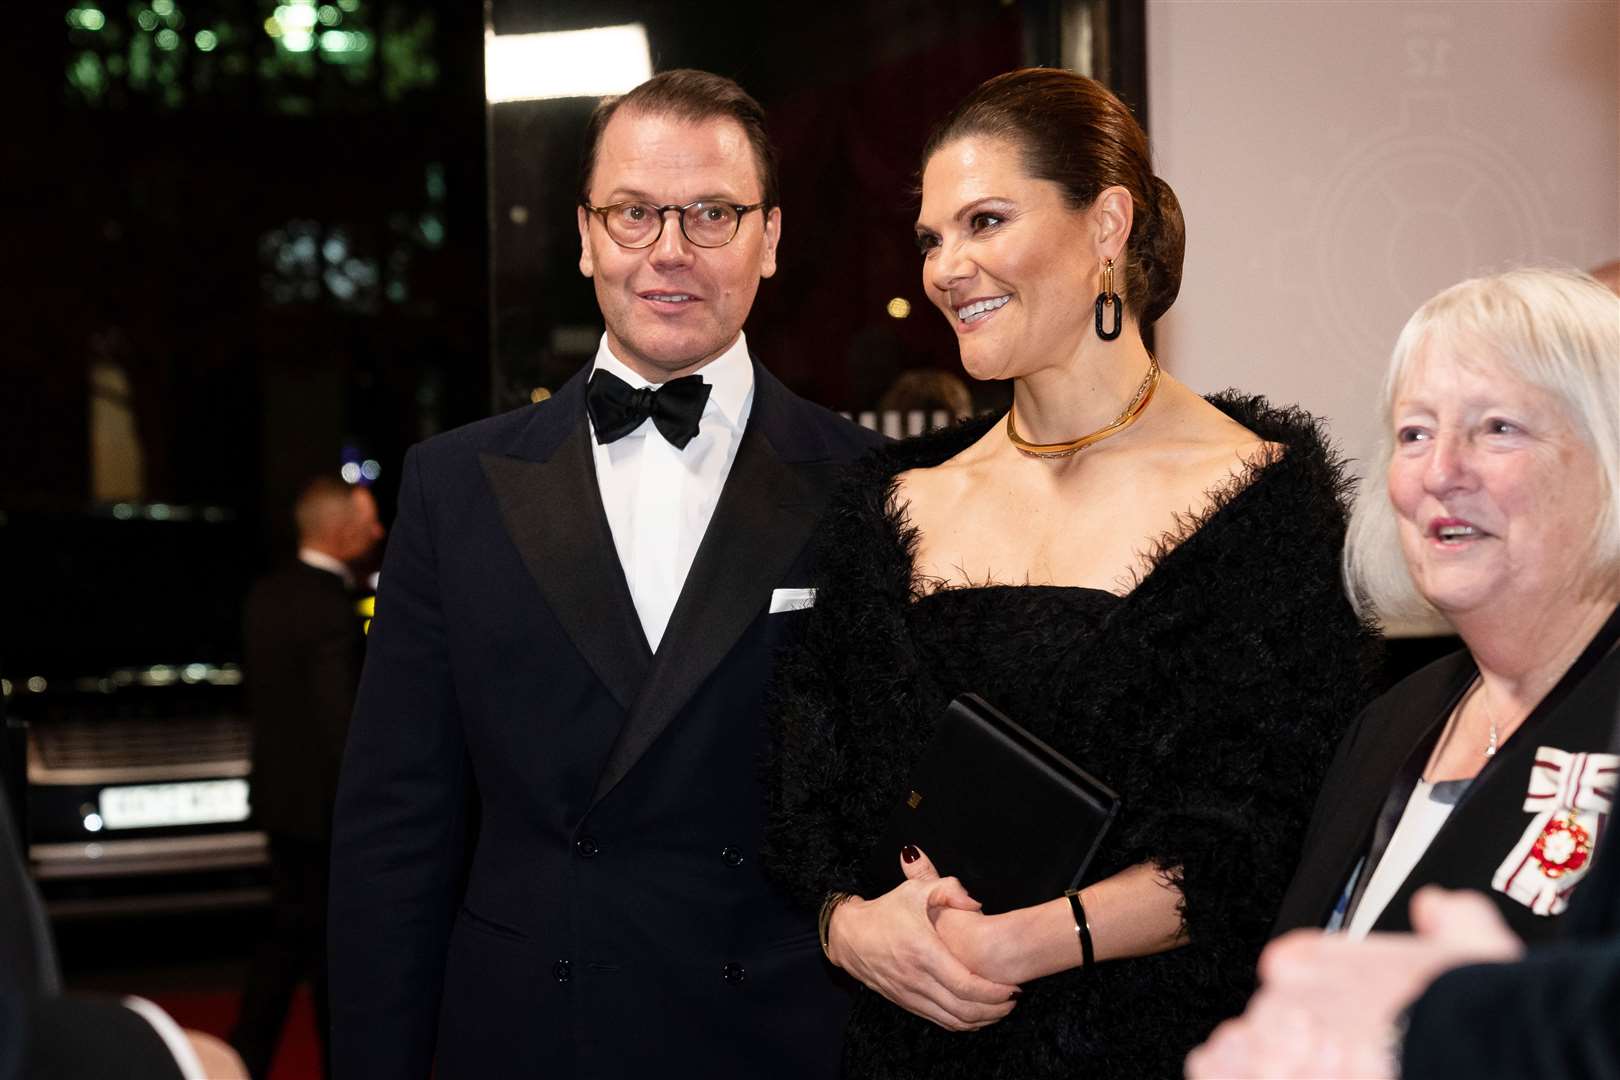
320, 560
659, 499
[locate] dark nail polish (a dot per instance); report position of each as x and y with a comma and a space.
1015, 995
910, 854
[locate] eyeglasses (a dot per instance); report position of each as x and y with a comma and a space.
639, 224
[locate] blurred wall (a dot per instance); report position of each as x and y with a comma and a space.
1340, 161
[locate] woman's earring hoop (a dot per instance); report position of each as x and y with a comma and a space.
1106, 298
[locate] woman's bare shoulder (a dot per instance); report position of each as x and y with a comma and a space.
1207, 449
944, 482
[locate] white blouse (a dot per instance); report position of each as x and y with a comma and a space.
1426, 811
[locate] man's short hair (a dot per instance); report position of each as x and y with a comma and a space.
323, 501
694, 97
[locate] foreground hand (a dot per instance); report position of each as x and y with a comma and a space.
218, 1060
890, 945
1327, 1006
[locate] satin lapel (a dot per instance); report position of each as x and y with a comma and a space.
553, 512
762, 521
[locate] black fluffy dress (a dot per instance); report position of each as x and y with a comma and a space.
1210, 697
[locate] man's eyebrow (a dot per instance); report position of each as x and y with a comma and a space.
635, 195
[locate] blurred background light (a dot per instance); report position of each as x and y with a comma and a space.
566, 63
293, 25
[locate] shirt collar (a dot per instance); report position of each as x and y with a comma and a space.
729, 375
320, 560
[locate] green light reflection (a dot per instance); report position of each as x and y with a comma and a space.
432, 230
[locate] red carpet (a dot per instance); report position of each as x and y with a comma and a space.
298, 1057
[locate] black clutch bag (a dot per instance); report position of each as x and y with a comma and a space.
993, 805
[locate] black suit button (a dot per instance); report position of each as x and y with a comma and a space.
733, 973
562, 971
586, 846
731, 856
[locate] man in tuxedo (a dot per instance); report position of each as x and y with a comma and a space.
546, 852
303, 647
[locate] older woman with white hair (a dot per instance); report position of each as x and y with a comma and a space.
1496, 504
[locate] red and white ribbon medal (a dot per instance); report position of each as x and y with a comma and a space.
1571, 796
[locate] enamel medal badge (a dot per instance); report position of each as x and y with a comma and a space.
1570, 796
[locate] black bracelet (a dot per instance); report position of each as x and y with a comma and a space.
1082, 928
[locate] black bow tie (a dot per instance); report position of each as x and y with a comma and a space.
617, 408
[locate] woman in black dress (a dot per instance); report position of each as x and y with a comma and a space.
1157, 598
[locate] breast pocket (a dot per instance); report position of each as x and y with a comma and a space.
788, 600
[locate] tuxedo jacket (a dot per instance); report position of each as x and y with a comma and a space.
1400, 728
545, 856
303, 648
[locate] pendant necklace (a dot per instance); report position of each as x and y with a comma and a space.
1490, 748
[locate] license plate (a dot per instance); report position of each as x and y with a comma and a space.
198, 802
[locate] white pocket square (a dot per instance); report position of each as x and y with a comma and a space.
792, 599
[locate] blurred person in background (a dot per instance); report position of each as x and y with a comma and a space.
303, 650
1608, 275
928, 390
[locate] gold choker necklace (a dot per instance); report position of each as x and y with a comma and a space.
1144, 394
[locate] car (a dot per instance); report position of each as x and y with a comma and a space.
120, 668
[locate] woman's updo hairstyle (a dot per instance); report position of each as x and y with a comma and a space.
1075, 133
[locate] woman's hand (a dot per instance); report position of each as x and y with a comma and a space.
978, 941
890, 944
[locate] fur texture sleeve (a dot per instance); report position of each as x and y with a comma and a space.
1264, 665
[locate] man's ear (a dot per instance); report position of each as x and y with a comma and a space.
586, 266
773, 234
